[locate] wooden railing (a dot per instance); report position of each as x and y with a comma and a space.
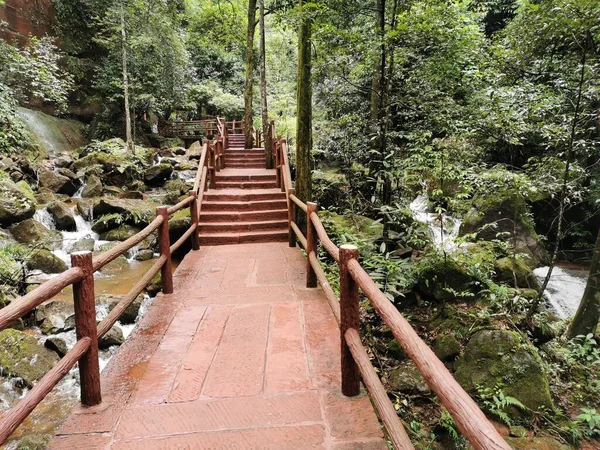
191, 128
355, 362
234, 126
81, 277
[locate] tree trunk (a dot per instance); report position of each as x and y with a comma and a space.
263, 88
248, 118
129, 139
587, 316
304, 112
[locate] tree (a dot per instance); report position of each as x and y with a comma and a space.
248, 114
304, 109
263, 88
129, 138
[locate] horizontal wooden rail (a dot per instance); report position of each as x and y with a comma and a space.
18, 308
299, 203
183, 238
13, 418
469, 419
329, 294
386, 410
182, 204
327, 243
299, 234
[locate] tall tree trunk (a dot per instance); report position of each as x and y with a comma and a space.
248, 118
587, 316
130, 145
304, 112
263, 88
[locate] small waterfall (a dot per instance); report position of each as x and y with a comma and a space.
79, 191
157, 160
70, 238
565, 289
442, 228
44, 217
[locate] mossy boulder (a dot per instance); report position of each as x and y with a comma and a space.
175, 189
154, 286
114, 336
499, 359
62, 215
447, 347
122, 233
406, 378
84, 245
510, 270
51, 316
352, 224
331, 189
442, 280
57, 345
16, 202
46, 261
536, 443
157, 175
93, 187
34, 442
22, 356
34, 233
57, 182
134, 212
179, 223
132, 311
144, 255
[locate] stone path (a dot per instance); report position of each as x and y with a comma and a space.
241, 356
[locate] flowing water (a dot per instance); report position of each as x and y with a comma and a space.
565, 289
443, 229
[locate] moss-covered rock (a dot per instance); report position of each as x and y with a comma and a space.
354, 224
122, 233
22, 356
84, 245
510, 270
57, 182
407, 379
46, 261
154, 286
62, 215
34, 233
16, 202
499, 359
93, 187
57, 345
114, 336
536, 443
331, 189
34, 442
156, 175
134, 212
175, 189
443, 280
447, 347
132, 310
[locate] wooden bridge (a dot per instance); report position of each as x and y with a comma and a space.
247, 346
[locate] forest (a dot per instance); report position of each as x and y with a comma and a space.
455, 142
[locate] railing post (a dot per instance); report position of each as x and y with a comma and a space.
164, 244
311, 245
291, 218
217, 156
194, 216
85, 325
349, 318
213, 170
277, 167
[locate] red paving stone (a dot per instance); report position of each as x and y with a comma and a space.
241, 356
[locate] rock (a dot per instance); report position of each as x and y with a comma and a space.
407, 379
179, 223
114, 336
508, 270
34, 442
498, 359
62, 215
107, 222
135, 212
22, 356
57, 345
57, 182
154, 286
156, 175
46, 261
441, 280
132, 311
45, 196
34, 233
121, 233
134, 195
84, 245
93, 187
175, 189
112, 191
447, 347
16, 203
51, 316
84, 208
178, 150
144, 255
70, 323
517, 431
537, 443
396, 351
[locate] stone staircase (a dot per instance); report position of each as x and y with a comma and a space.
246, 205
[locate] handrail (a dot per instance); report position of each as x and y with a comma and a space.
469, 418
81, 277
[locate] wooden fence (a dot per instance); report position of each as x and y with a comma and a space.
81, 276
355, 362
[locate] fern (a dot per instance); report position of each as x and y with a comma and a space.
496, 402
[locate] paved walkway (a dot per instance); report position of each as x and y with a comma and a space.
241, 356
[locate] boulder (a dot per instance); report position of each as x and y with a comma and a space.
52, 316
122, 233
34, 233
406, 378
179, 223
16, 203
57, 182
85, 208
114, 336
45, 196
144, 255
536, 443
22, 356
175, 189
46, 261
154, 286
84, 245
510, 270
93, 187
138, 212
57, 345
158, 174
499, 359
132, 311
447, 347
134, 195
62, 215
441, 280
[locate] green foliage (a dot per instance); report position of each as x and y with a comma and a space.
589, 419
496, 403
584, 349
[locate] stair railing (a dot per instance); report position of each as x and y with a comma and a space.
355, 361
81, 277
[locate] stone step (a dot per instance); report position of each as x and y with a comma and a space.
247, 165
227, 227
248, 157
243, 195
240, 178
243, 216
245, 184
259, 205
241, 238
